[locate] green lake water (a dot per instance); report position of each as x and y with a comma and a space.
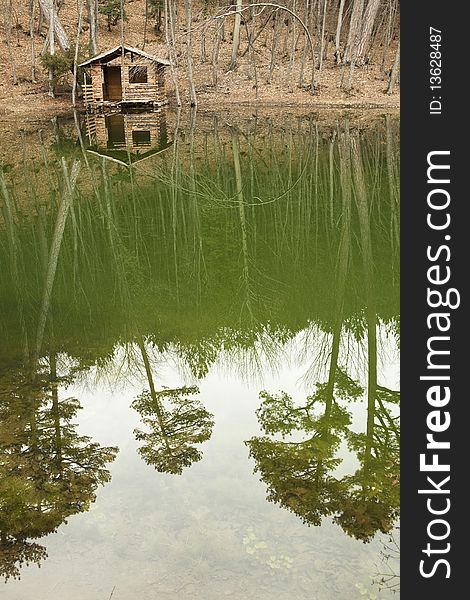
199, 360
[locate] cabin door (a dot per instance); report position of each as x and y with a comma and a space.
112, 84
116, 131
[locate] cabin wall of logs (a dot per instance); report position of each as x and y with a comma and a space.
141, 130
120, 78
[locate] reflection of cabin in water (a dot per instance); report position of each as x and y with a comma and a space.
124, 75
127, 137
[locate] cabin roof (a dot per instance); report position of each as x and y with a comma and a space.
118, 49
126, 158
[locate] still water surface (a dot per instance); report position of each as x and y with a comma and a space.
199, 367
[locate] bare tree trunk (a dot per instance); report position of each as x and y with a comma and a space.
203, 42
388, 35
246, 277
51, 48
236, 35
395, 71
370, 15
338, 33
7, 23
393, 187
47, 6
32, 6
122, 31
274, 46
66, 201
351, 57
305, 52
292, 55
169, 34
92, 21
189, 50
322, 38
145, 23
354, 29
215, 53
77, 44
250, 34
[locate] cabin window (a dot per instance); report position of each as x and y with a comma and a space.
141, 138
138, 75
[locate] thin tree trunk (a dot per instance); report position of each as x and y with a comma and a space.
32, 6
388, 35
122, 32
51, 49
203, 44
70, 181
322, 42
92, 21
338, 33
305, 52
169, 34
236, 35
274, 46
189, 49
370, 15
395, 71
77, 45
215, 53
292, 55
47, 6
56, 409
393, 187
145, 23
248, 293
8, 11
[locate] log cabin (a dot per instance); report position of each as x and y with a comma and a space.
124, 76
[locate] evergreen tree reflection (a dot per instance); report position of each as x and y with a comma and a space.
48, 471
176, 422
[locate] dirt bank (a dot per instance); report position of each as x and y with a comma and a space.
243, 86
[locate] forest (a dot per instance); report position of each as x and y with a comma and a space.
323, 52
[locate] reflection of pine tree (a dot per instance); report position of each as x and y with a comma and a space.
16, 553
177, 422
299, 474
373, 499
47, 470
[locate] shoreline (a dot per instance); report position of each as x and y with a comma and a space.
49, 108
63, 108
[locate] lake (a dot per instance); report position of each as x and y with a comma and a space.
199, 376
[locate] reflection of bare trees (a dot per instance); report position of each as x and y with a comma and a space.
300, 475
250, 235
